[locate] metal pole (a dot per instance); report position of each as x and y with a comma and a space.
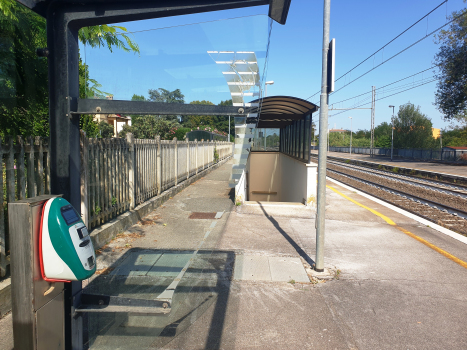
350, 135
229, 130
392, 137
322, 153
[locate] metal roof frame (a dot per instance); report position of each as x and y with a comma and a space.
280, 111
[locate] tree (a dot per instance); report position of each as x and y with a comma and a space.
412, 129
451, 59
164, 95
24, 76
201, 121
106, 130
383, 135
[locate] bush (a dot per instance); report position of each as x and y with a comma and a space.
181, 132
106, 130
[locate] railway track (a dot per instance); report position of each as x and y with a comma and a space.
439, 202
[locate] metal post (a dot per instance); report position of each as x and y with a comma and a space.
229, 130
322, 153
62, 41
373, 101
392, 131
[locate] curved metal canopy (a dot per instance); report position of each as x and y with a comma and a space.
280, 111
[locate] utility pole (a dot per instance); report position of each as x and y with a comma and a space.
350, 135
322, 153
373, 100
392, 130
229, 130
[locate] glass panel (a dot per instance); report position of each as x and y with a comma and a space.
202, 61
307, 136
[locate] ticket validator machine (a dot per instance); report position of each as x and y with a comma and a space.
50, 246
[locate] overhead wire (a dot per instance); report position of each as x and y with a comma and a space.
392, 40
382, 98
382, 87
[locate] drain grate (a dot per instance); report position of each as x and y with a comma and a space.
199, 215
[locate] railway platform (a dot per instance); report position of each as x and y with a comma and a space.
435, 167
394, 282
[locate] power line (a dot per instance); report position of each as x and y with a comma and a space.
374, 53
397, 54
189, 24
382, 87
382, 98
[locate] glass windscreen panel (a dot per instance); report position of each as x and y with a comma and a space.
204, 63
266, 140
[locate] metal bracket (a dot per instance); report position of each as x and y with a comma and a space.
114, 304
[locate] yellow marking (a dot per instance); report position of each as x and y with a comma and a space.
408, 233
385, 218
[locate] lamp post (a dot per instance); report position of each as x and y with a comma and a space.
271, 82
350, 135
392, 130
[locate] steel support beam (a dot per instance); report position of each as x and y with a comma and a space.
91, 106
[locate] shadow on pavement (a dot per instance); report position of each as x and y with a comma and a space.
299, 250
144, 274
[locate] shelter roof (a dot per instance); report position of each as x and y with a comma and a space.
280, 111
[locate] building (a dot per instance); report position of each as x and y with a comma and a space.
116, 120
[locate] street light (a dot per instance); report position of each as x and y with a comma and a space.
271, 82
350, 135
392, 130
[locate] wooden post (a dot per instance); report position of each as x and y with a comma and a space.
10, 172
176, 160
84, 171
2, 222
40, 166
20, 169
196, 156
131, 168
187, 158
203, 151
159, 165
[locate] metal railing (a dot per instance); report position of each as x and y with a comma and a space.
409, 153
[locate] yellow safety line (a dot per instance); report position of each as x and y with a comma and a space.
408, 233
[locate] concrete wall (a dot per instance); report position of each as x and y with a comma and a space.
264, 176
292, 179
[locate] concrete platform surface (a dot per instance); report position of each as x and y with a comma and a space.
442, 168
393, 287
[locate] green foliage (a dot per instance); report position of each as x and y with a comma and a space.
125, 130
106, 130
90, 127
456, 137
181, 132
395, 170
201, 121
412, 129
451, 95
216, 155
149, 126
106, 35
24, 76
163, 95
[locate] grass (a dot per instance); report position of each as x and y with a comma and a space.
338, 273
291, 282
395, 170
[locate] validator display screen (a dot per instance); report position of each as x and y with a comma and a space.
70, 215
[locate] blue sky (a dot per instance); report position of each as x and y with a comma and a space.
176, 57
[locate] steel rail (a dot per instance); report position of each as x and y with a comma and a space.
444, 209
